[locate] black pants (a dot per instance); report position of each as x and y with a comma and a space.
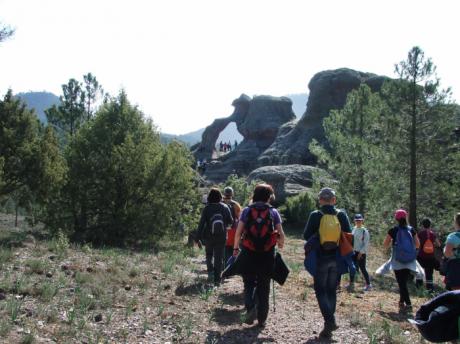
360, 265
214, 258
325, 285
402, 276
257, 294
428, 264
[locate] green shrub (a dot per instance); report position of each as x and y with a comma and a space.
297, 208
242, 190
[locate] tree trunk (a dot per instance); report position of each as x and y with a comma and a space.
413, 162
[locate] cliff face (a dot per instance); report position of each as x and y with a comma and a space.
272, 136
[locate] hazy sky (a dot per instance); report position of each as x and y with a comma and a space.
183, 62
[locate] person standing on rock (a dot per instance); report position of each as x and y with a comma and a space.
235, 209
259, 231
212, 229
327, 223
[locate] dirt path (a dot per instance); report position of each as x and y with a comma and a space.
293, 321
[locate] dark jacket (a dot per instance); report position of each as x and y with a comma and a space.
209, 210
312, 226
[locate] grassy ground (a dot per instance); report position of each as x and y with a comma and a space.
56, 292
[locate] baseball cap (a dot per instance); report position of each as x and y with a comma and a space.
326, 194
400, 214
358, 217
228, 191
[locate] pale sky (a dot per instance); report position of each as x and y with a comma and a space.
184, 61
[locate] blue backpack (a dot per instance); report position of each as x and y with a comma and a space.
405, 251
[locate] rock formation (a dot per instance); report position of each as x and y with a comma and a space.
275, 145
287, 180
258, 120
328, 91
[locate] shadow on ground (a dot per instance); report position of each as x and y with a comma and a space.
225, 317
245, 335
232, 299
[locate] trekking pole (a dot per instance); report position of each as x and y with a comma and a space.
274, 303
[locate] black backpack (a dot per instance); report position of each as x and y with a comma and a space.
438, 320
217, 225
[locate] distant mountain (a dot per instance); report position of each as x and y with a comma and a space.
39, 101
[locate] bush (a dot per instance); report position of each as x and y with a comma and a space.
124, 186
242, 190
297, 208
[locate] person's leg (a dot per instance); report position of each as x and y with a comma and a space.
331, 290
250, 283
321, 288
362, 267
209, 249
263, 297
429, 269
228, 254
402, 277
218, 262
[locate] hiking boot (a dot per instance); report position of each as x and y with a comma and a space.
250, 316
326, 333
350, 287
368, 287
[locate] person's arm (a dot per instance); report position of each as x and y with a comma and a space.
239, 232
201, 225
237, 208
449, 250
281, 235
417, 241
387, 242
344, 221
365, 242
312, 225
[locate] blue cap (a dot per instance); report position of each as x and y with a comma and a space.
358, 217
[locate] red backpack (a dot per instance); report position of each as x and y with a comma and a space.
428, 245
259, 232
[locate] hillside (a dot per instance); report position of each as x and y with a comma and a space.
39, 101
51, 291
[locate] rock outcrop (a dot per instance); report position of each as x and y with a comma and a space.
287, 180
275, 145
328, 91
258, 120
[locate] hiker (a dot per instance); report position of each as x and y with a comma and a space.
426, 255
235, 209
404, 241
212, 229
327, 223
452, 253
259, 230
361, 239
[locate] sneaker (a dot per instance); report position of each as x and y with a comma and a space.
250, 316
350, 287
326, 333
368, 287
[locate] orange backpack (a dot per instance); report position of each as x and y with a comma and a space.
428, 246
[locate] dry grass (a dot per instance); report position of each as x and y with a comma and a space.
64, 293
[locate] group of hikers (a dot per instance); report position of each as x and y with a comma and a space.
251, 235
227, 147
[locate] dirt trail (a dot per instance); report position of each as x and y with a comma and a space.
293, 321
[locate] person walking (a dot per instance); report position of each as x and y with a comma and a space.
327, 222
452, 253
361, 240
426, 255
212, 229
259, 231
235, 209
404, 242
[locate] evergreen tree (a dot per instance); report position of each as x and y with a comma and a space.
92, 91
124, 185
19, 142
422, 123
70, 114
354, 151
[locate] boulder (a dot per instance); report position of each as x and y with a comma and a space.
258, 120
328, 91
287, 180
